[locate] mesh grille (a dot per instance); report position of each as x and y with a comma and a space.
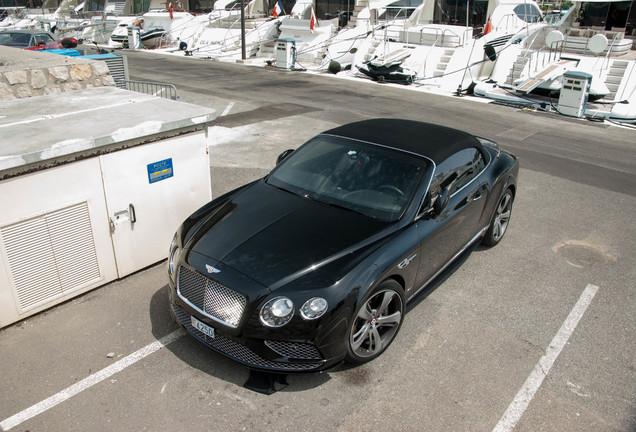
235, 350
294, 350
211, 298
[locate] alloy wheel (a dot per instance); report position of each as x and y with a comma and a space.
502, 216
376, 324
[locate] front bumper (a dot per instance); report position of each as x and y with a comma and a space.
289, 356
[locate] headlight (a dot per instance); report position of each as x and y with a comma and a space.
174, 255
313, 308
277, 312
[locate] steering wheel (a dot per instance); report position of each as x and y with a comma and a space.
393, 189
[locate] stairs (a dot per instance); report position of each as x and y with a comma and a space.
360, 4
267, 49
516, 70
615, 77
372, 49
440, 69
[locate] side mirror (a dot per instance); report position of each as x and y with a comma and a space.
283, 155
441, 202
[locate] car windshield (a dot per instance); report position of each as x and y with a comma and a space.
15, 39
373, 180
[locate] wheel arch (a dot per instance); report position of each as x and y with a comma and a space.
397, 278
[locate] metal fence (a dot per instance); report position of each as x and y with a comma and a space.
163, 90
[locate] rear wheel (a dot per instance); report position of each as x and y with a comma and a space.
500, 220
376, 323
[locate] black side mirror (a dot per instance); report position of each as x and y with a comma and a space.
283, 155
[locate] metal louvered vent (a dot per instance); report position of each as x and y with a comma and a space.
118, 67
119, 7
51, 254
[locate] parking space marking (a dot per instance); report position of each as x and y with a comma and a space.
525, 395
89, 381
227, 109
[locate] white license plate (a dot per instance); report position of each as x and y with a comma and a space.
203, 328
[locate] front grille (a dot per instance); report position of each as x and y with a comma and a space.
294, 350
238, 352
210, 298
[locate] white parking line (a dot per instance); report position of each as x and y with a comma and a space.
89, 381
227, 109
525, 395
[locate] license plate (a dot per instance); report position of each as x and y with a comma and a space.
203, 328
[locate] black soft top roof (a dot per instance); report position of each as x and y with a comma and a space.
426, 139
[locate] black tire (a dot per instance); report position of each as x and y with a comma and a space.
500, 219
375, 323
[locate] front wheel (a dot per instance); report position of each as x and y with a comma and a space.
500, 220
376, 323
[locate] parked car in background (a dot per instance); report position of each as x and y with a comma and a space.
315, 263
34, 40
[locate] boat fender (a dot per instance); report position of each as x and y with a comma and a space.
490, 52
334, 67
183, 46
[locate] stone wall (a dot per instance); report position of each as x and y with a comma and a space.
30, 73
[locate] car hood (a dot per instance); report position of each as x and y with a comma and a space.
273, 236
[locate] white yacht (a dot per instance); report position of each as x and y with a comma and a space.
594, 38
448, 48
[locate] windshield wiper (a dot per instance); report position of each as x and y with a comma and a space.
285, 189
340, 206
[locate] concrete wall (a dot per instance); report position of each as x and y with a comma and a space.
31, 73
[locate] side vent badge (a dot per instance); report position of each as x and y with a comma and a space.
406, 262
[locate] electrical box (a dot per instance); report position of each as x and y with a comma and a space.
93, 190
285, 53
134, 37
574, 93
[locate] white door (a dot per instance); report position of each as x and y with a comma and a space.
150, 190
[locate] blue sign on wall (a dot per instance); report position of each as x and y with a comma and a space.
161, 170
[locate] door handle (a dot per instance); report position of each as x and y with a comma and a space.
477, 195
131, 212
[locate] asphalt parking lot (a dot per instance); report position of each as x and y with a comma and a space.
536, 334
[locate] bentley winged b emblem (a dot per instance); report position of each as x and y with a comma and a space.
211, 269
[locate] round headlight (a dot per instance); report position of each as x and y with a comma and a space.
314, 308
172, 258
277, 312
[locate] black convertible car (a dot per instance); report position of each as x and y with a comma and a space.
315, 263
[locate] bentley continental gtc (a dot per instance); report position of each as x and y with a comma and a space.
315, 263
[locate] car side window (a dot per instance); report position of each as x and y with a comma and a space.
42, 37
474, 164
457, 171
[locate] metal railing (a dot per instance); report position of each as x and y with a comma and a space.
164, 90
